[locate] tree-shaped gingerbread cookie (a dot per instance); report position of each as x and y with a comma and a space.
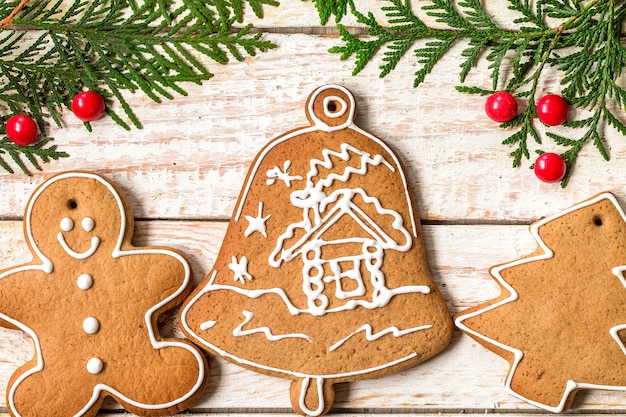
561, 314
90, 302
322, 276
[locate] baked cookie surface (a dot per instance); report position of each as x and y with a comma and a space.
90, 302
322, 276
560, 317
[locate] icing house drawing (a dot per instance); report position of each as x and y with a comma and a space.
323, 212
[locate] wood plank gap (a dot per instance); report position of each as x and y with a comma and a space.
179, 219
242, 411
475, 222
325, 31
423, 222
11, 219
385, 411
456, 411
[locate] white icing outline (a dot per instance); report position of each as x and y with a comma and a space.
370, 336
338, 113
95, 243
248, 316
47, 267
615, 329
518, 354
320, 396
319, 125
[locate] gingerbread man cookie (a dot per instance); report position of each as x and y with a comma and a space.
561, 314
90, 302
322, 276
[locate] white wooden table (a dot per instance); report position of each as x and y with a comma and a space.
184, 170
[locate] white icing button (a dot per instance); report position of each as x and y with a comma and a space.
91, 325
66, 224
95, 366
84, 282
88, 224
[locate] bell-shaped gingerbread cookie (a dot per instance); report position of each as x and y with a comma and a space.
322, 276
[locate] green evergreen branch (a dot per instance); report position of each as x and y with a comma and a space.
40, 151
584, 48
328, 8
110, 46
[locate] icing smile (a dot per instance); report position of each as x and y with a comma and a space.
87, 224
95, 242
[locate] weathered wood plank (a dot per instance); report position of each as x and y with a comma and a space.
465, 377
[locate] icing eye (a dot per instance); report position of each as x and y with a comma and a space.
332, 106
88, 224
597, 220
72, 204
66, 224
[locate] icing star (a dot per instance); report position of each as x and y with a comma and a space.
240, 269
90, 302
257, 224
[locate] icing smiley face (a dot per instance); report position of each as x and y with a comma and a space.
83, 223
67, 225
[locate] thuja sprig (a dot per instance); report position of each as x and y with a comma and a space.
41, 151
328, 8
52, 50
584, 47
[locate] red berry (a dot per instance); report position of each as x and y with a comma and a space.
550, 167
501, 107
552, 109
88, 106
21, 130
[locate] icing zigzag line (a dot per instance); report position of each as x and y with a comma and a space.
344, 155
238, 331
370, 336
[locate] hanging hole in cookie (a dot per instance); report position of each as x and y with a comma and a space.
334, 107
597, 220
72, 204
